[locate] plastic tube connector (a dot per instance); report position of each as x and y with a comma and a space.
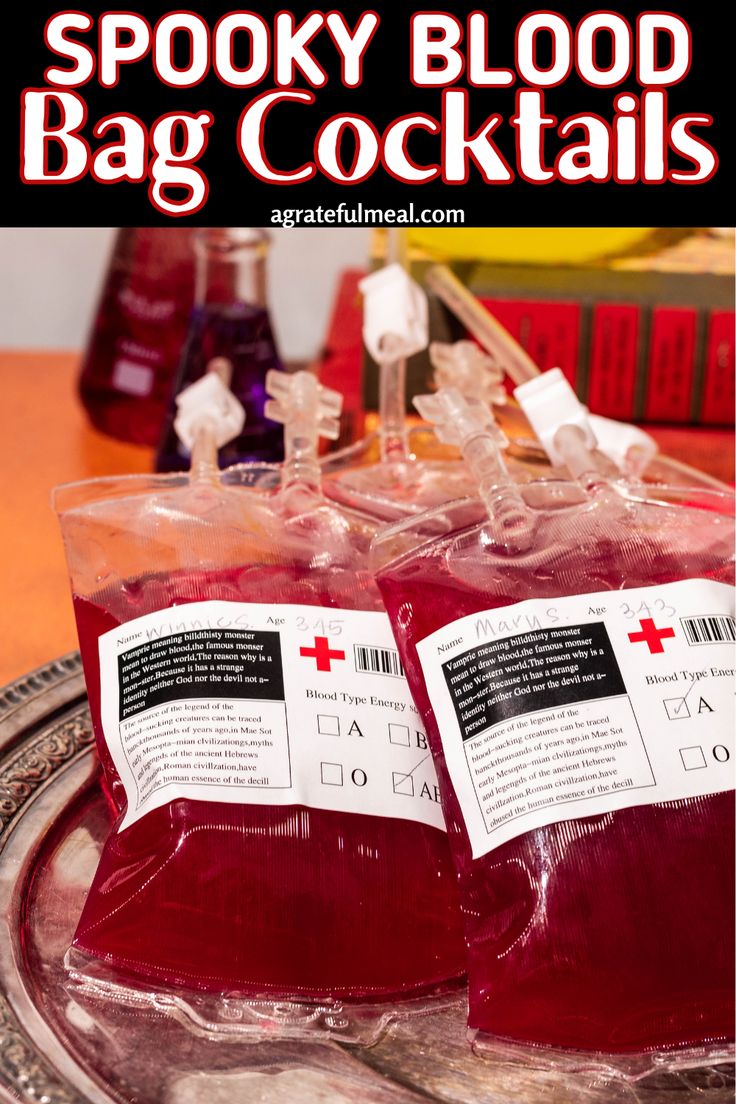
465, 366
630, 448
299, 396
395, 314
458, 419
469, 424
208, 402
549, 403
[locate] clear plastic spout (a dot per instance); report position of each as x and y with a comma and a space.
393, 433
630, 448
469, 424
395, 327
563, 426
307, 411
576, 455
208, 416
467, 368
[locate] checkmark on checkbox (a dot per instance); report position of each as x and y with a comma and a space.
403, 784
677, 708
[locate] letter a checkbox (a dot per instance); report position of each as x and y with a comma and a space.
677, 709
328, 725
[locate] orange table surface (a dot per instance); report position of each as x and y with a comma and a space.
46, 439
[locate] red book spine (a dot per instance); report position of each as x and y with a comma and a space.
341, 365
614, 352
549, 330
671, 365
719, 391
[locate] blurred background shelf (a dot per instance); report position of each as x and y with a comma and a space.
39, 391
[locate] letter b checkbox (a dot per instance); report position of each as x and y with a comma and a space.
399, 734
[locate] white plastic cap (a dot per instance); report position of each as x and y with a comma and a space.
211, 401
630, 448
395, 314
549, 403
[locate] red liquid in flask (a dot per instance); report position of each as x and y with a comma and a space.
259, 899
613, 932
135, 347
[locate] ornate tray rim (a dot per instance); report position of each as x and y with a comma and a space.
29, 761
44, 731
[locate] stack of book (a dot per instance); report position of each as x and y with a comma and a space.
646, 335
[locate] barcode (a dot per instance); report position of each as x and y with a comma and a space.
709, 630
378, 661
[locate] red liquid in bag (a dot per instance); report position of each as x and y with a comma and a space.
613, 932
259, 899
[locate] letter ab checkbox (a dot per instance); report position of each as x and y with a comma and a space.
403, 784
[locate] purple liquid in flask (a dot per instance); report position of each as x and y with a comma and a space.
230, 319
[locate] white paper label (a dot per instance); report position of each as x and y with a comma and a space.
132, 378
555, 709
264, 705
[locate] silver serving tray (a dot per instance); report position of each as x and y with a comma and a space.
56, 1047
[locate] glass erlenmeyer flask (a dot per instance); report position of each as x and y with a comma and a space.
139, 329
230, 319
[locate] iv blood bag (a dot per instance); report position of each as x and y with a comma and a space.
576, 688
263, 758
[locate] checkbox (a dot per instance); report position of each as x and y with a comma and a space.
399, 734
692, 758
331, 774
677, 708
327, 725
403, 784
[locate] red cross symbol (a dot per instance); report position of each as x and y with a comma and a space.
651, 635
322, 653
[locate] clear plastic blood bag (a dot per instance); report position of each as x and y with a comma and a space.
277, 824
571, 653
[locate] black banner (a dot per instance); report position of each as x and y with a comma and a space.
205, 663
346, 107
532, 671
